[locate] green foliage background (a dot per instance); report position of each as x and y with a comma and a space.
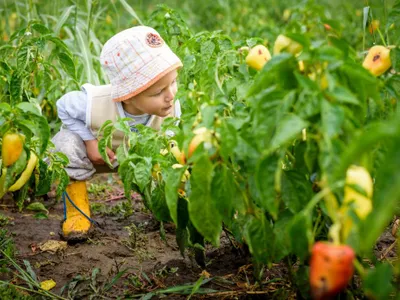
259, 188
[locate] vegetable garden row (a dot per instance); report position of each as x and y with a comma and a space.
288, 142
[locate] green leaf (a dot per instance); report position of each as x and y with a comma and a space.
41, 216
142, 172
377, 282
296, 190
63, 180
41, 28
23, 56
259, 237
265, 183
202, 207
329, 53
305, 82
287, 129
29, 107
172, 182
302, 39
207, 50
67, 63
58, 43
125, 170
43, 184
105, 140
343, 95
300, 233
37, 206
227, 197
307, 104
282, 238
360, 82
311, 155
30, 271
229, 139
385, 199
5, 107
39, 126
279, 70
15, 88
158, 204
131, 11
395, 58
332, 119
189, 62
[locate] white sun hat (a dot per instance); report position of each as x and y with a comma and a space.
134, 59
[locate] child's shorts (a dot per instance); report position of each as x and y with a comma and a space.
79, 167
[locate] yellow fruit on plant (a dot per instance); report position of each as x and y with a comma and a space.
321, 80
377, 60
156, 172
286, 14
361, 203
26, 174
185, 176
258, 56
373, 26
285, 44
108, 20
202, 135
176, 152
11, 148
301, 66
359, 176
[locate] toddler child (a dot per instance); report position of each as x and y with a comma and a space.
142, 71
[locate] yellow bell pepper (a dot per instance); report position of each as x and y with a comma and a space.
11, 148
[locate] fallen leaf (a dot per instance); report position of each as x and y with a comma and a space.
37, 206
47, 285
205, 274
53, 246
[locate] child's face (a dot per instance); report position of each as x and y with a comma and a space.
156, 100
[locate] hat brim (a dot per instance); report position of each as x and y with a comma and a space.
143, 79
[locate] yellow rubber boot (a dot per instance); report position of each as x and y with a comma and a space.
76, 225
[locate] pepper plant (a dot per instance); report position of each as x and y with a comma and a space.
30, 75
272, 171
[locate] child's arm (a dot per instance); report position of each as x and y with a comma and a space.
72, 112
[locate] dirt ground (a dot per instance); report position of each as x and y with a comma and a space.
130, 241
129, 244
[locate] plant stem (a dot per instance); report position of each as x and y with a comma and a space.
359, 267
381, 36
318, 197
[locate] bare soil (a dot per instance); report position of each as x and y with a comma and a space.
133, 245
129, 245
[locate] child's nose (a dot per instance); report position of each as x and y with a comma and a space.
170, 94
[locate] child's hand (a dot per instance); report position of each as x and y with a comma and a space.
94, 154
